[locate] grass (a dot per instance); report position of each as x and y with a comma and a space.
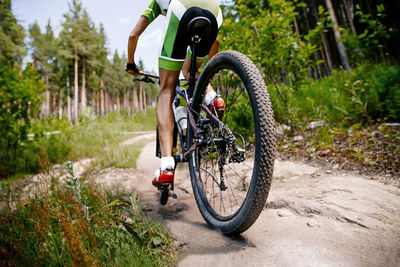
78, 223
119, 156
97, 137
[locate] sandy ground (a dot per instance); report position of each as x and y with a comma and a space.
313, 217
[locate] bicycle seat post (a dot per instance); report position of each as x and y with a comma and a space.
192, 77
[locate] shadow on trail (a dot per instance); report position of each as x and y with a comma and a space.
195, 236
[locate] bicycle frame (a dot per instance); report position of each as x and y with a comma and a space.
187, 95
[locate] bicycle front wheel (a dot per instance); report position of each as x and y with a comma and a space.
231, 168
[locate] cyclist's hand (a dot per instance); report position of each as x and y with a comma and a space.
132, 69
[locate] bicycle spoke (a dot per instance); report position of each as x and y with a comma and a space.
227, 201
232, 198
231, 189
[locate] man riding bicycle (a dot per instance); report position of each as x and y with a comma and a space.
175, 56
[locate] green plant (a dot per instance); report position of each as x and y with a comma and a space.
20, 97
78, 223
97, 137
368, 93
365, 46
355, 90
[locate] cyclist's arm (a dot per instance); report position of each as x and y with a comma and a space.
150, 14
134, 37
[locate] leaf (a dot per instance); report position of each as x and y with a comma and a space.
341, 110
302, 4
113, 203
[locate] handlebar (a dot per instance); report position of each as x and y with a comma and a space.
146, 77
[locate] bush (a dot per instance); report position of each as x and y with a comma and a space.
20, 97
367, 94
78, 224
94, 137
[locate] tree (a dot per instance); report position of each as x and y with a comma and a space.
12, 46
43, 48
89, 44
338, 36
20, 97
72, 36
98, 62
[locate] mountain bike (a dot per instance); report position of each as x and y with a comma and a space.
230, 159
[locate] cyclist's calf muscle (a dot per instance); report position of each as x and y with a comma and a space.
186, 65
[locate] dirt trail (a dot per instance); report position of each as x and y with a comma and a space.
313, 217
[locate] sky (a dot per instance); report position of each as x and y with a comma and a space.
118, 18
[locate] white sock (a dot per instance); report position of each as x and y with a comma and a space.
167, 163
209, 97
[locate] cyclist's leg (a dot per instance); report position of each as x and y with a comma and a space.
165, 117
210, 96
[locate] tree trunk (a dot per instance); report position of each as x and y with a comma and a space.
76, 89
96, 102
69, 104
338, 36
47, 96
60, 109
102, 107
34, 61
118, 104
326, 53
124, 100
54, 108
128, 100
350, 15
135, 100
144, 101
317, 57
83, 90
140, 96
107, 102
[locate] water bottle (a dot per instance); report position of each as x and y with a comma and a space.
180, 115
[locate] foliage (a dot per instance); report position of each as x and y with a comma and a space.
239, 117
367, 94
19, 102
94, 137
268, 38
274, 45
369, 44
77, 223
12, 46
43, 46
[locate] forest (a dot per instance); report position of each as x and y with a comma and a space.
332, 72
330, 61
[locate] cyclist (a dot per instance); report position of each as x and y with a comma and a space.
173, 58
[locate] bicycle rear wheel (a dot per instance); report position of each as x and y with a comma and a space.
231, 169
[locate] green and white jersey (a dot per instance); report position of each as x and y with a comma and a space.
172, 54
160, 7
156, 8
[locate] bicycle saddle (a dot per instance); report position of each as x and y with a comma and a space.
201, 25
197, 26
